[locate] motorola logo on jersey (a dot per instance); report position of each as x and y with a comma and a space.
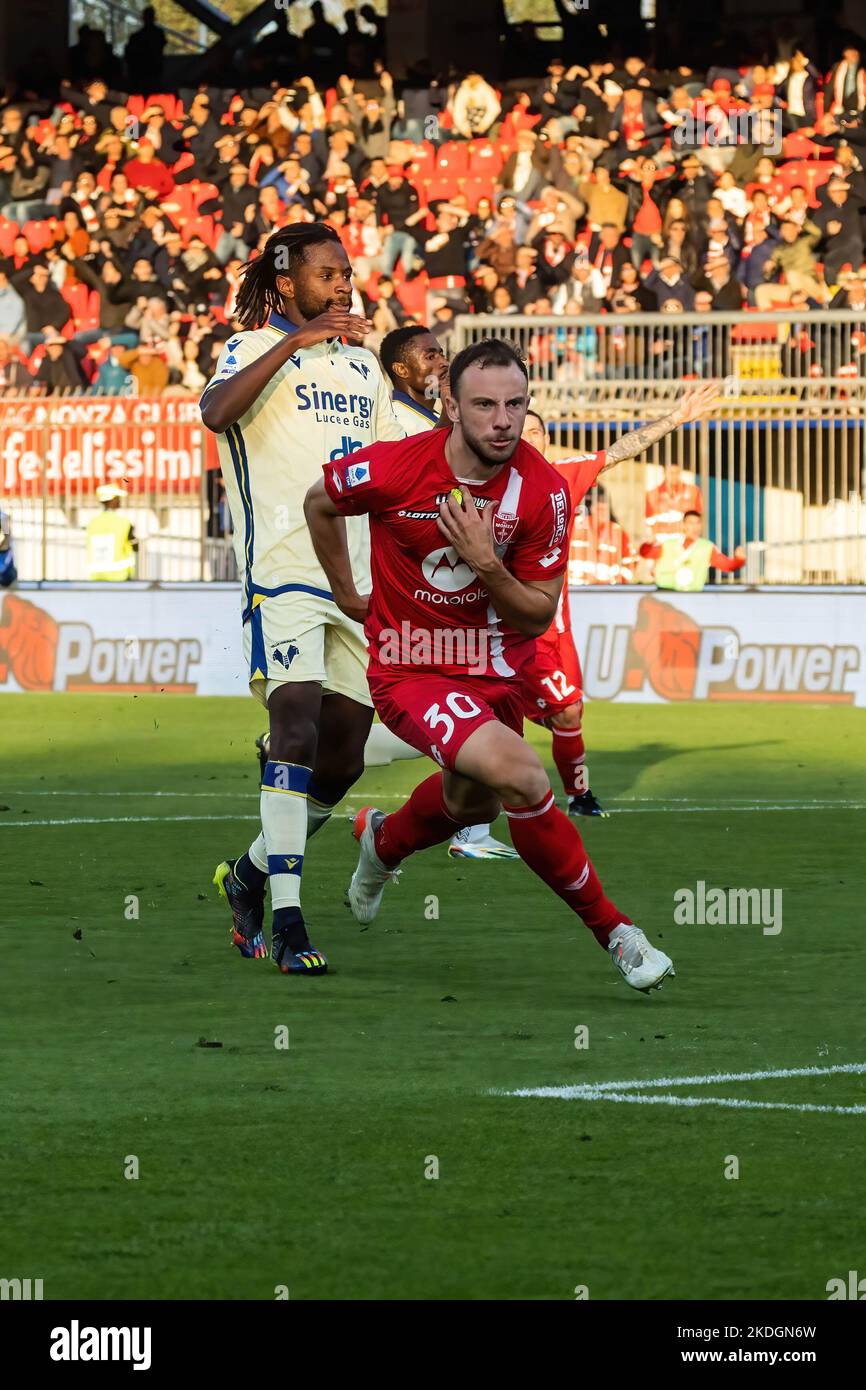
444, 569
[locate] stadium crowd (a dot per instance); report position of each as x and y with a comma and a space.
608, 185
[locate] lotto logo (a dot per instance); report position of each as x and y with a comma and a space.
550, 558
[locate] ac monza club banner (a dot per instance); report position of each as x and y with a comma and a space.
74, 445
798, 645
635, 645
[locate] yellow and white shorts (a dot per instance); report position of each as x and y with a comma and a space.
300, 636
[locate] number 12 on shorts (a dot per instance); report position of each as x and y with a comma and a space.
564, 688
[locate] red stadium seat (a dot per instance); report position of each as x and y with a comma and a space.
476, 188
86, 310
797, 146
439, 188
39, 235
170, 104
93, 309
453, 161
135, 105
181, 204
412, 294
423, 162
485, 160
72, 292
43, 130
8, 233
811, 173
202, 192
205, 227
183, 161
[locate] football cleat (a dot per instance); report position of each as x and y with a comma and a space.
289, 962
263, 745
585, 804
248, 912
639, 963
364, 894
485, 847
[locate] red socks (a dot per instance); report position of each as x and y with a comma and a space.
569, 754
423, 821
550, 844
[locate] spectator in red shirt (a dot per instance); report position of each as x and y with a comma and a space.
149, 173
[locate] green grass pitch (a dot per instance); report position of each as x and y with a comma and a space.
305, 1168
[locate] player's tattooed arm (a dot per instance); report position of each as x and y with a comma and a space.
526, 606
694, 402
328, 531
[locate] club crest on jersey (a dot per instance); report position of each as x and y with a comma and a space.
285, 654
504, 526
360, 367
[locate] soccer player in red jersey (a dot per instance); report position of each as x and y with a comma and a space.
468, 529
552, 679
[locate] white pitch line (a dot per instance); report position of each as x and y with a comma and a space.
619, 803
718, 1078
727, 810
350, 804
728, 1104
632, 1092
115, 820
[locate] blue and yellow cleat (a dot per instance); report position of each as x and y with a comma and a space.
585, 804
248, 913
306, 962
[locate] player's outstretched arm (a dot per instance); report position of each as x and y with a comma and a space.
695, 402
328, 532
224, 402
526, 606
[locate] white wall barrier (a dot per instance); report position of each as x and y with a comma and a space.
635, 644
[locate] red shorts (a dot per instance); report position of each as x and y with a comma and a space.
436, 714
553, 680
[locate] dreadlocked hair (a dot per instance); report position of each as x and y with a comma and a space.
283, 254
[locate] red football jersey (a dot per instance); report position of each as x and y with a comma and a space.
422, 590
579, 475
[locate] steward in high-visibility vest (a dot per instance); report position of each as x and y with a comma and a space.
600, 551
684, 562
111, 542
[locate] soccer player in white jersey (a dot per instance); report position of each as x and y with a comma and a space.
287, 396
417, 368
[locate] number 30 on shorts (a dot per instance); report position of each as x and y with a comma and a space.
461, 705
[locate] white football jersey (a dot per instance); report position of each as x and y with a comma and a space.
324, 402
414, 418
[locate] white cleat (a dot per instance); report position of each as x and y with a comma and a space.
364, 894
465, 846
639, 963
